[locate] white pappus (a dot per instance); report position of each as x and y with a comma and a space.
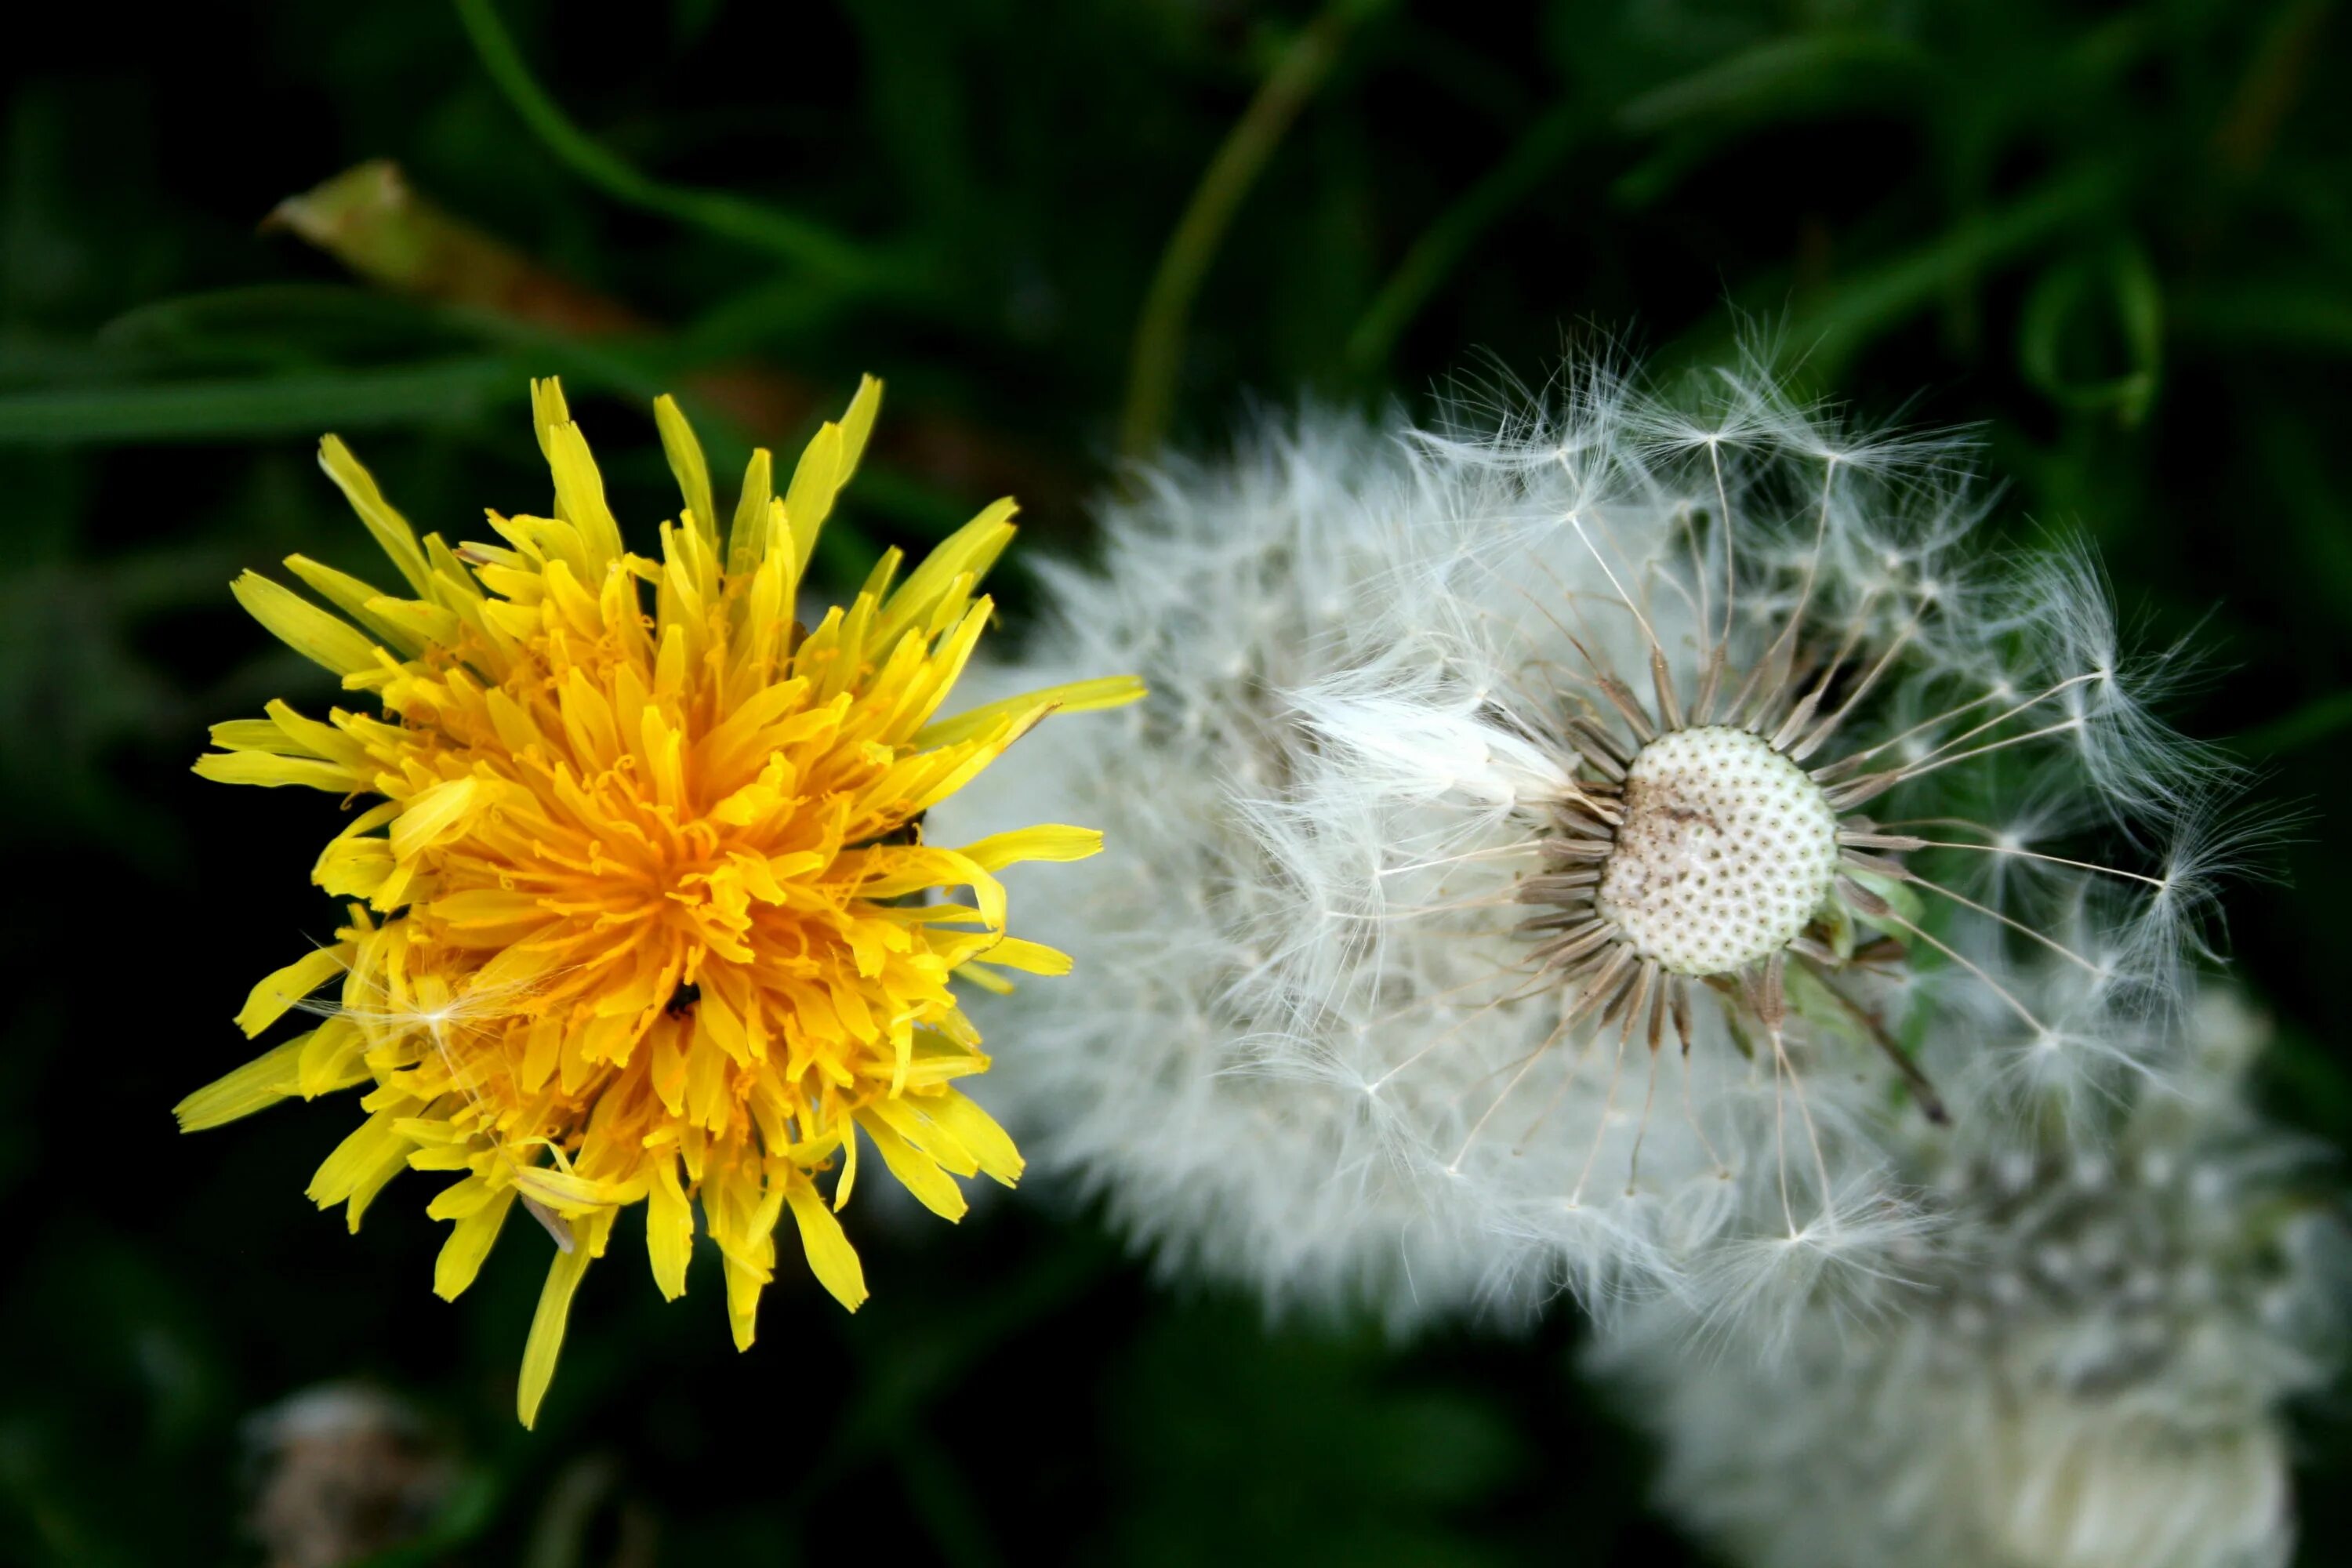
1221, 584
1551, 839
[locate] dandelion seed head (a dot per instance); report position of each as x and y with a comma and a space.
1599, 775
1726, 852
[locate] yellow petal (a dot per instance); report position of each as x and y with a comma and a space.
435, 817
361, 1164
1031, 957
580, 495
744, 1284
830, 1257
353, 868
917, 1172
303, 626
331, 1058
548, 412
259, 1083
817, 477
425, 625
353, 597
562, 1191
848, 1183
490, 906
972, 549
249, 735
546, 1342
687, 462
908, 869
469, 1242
260, 768
309, 737
669, 1228
391, 529
987, 979
1076, 696
747, 536
462, 1198
282, 988
1048, 841
857, 423
977, 1131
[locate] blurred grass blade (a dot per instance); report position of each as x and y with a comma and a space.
2274, 82
470, 1512
781, 234
1158, 354
1787, 78
944, 1501
2298, 454
896, 1389
2065, 306
1440, 249
292, 318
303, 403
2292, 731
2295, 317
1864, 305
2310, 1075
578, 1495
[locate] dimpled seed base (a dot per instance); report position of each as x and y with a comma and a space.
1727, 850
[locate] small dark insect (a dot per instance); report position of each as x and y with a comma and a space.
682, 1000
907, 832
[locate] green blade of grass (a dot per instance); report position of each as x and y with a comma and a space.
758, 224
1158, 354
1787, 77
1440, 249
2314, 720
441, 392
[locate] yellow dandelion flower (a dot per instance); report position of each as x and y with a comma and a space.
644, 913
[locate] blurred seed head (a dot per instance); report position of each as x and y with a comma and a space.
2083, 1364
345, 1472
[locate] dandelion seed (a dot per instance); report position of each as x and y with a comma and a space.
646, 913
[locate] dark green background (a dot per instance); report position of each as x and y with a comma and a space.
2121, 239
